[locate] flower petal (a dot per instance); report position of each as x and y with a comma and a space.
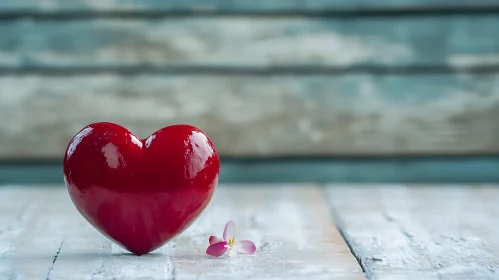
246, 247
214, 239
217, 249
229, 230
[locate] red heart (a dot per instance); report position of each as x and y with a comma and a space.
140, 193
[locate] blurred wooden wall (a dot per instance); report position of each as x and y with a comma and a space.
262, 78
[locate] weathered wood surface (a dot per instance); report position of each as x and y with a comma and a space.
43, 237
462, 41
411, 232
229, 5
260, 116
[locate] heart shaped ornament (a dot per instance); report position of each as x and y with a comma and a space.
140, 193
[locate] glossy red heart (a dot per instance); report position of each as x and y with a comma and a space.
140, 193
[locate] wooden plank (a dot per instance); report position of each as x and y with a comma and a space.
416, 169
17, 209
461, 41
229, 5
420, 232
291, 226
260, 116
40, 231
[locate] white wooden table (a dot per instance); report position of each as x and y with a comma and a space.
301, 232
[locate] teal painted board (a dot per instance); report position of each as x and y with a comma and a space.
359, 170
453, 41
260, 116
365, 170
231, 5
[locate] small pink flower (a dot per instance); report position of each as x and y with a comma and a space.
219, 246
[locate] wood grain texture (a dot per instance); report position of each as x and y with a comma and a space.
34, 230
291, 226
229, 5
421, 232
461, 41
260, 116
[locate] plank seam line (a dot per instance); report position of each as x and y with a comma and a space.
173, 274
353, 251
55, 259
332, 212
424, 11
100, 270
171, 250
216, 70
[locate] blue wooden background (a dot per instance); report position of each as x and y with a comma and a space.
317, 90
311, 170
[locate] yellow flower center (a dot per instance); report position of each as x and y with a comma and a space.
231, 242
